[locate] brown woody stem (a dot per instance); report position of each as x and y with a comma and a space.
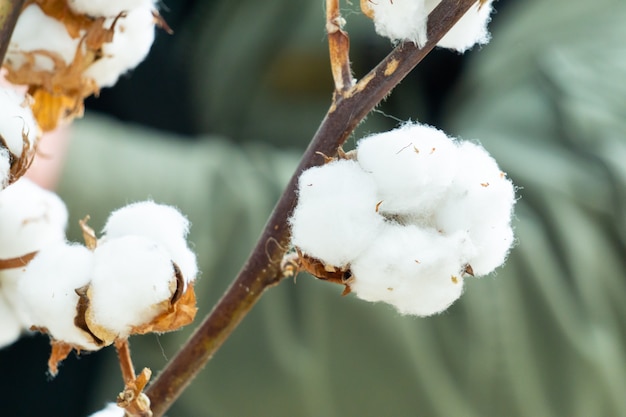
262, 269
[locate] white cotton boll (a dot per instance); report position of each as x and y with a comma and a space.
10, 325
16, 120
418, 271
162, 223
134, 34
400, 20
470, 30
47, 292
35, 31
5, 167
30, 218
335, 218
412, 167
132, 275
106, 8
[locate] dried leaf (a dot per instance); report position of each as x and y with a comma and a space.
178, 314
60, 351
89, 235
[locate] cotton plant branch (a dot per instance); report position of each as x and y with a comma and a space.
351, 103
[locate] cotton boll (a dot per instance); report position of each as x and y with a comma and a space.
30, 218
470, 30
132, 278
400, 20
336, 217
111, 410
134, 34
47, 292
418, 271
412, 166
162, 223
27, 38
10, 325
16, 121
106, 8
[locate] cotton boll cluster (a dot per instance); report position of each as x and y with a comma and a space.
18, 135
406, 20
65, 54
408, 219
138, 278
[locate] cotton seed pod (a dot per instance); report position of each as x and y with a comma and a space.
134, 282
19, 134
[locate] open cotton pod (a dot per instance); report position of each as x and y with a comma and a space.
135, 288
48, 300
64, 56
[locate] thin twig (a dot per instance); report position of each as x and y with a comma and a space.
339, 48
262, 269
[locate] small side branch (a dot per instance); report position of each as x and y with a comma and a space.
339, 48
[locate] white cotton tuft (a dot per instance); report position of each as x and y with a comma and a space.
5, 167
400, 20
35, 31
111, 410
134, 35
132, 276
336, 213
406, 20
30, 218
480, 202
17, 123
47, 292
162, 223
107, 8
412, 167
418, 271
470, 30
